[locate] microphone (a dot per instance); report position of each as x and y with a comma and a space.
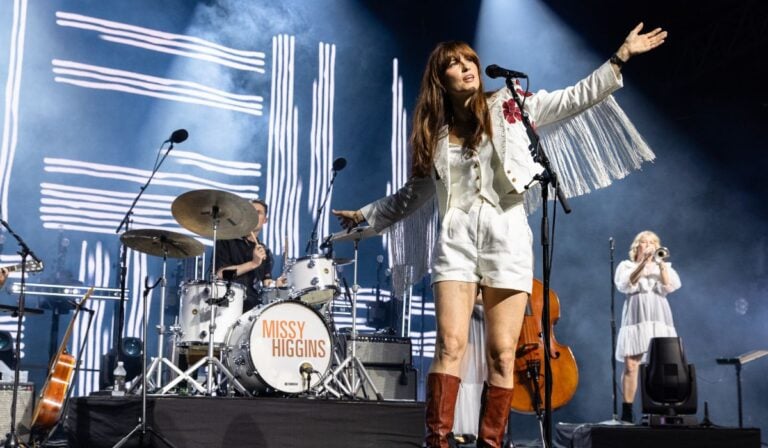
327, 242
611, 244
306, 369
339, 164
178, 136
494, 71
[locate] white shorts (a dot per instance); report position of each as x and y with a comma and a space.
485, 246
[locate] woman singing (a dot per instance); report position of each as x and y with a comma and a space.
470, 151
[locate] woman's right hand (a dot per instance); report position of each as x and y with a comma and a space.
349, 218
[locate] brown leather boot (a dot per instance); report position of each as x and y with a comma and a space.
442, 390
494, 413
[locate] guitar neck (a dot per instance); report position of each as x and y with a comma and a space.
31, 266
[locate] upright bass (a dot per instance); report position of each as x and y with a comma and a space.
528, 397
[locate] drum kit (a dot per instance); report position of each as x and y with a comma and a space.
286, 346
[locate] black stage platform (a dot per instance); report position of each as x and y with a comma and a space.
100, 421
568, 435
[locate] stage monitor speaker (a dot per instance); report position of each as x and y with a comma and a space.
383, 350
25, 403
393, 383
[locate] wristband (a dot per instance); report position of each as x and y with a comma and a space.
615, 59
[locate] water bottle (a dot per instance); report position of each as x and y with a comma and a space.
119, 373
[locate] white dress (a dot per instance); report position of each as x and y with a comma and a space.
646, 313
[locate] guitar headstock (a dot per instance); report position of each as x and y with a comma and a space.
31, 266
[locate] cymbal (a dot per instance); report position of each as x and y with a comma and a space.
194, 210
354, 234
162, 242
343, 261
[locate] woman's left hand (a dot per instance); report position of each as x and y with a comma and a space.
636, 43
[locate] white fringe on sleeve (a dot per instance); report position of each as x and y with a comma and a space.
411, 243
590, 150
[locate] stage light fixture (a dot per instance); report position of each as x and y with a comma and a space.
668, 385
130, 354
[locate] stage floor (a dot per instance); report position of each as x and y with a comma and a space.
190, 422
187, 422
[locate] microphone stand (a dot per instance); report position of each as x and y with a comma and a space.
12, 439
125, 223
546, 178
312, 243
612, 247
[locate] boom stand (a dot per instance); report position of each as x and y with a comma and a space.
209, 359
615, 419
12, 439
345, 376
142, 428
546, 179
126, 222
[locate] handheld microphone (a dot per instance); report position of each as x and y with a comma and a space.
178, 136
611, 244
339, 164
494, 71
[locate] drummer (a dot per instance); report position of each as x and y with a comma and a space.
251, 259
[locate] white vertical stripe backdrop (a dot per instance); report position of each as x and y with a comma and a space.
284, 188
12, 93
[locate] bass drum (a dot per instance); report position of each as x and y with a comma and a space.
267, 348
195, 312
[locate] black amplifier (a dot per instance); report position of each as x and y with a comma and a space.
382, 350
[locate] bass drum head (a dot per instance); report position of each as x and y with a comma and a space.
267, 347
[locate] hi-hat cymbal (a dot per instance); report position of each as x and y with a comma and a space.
162, 242
343, 261
354, 234
194, 210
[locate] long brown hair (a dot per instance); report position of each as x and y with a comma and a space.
433, 108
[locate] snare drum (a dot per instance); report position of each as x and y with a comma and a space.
267, 347
195, 312
312, 279
271, 294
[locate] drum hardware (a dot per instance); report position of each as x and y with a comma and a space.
214, 214
165, 244
350, 375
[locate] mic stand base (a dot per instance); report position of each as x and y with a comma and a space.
142, 430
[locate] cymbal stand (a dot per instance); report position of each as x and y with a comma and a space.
156, 367
350, 376
210, 359
142, 428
